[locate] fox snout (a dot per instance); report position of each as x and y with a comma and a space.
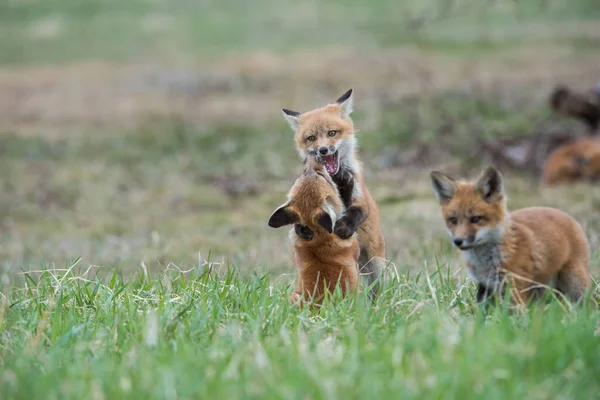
465, 242
325, 151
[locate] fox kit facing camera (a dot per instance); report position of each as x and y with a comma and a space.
323, 260
328, 133
526, 247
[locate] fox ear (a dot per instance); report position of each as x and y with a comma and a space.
291, 117
283, 216
443, 186
346, 103
328, 217
326, 222
490, 185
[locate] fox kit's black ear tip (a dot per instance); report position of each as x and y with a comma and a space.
434, 174
345, 96
326, 222
290, 113
281, 217
491, 170
491, 184
439, 176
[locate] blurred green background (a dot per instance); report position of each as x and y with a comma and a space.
150, 131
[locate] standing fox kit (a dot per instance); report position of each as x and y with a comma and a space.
328, 134
527, 247
323, 259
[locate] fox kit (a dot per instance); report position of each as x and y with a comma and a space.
572, 162
323, 259
328, 133
582, 106
526, 247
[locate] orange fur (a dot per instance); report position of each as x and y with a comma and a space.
326, 260
536, 245
330, 128
573, 162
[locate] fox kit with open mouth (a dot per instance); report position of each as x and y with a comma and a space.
526, 247
323, 260
328, 134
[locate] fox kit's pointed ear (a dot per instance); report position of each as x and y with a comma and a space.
283, 216
328, 217
291, 117
443, 186
326, 222
346, 103
490, 185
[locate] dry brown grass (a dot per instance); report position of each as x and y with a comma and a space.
252, 88
158, 208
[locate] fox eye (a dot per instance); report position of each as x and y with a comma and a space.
475, 219
452, 220
331, 133
311, 138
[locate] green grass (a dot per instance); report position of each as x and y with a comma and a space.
210, 334
145, 137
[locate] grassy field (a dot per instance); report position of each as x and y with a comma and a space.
142, 142
219, 335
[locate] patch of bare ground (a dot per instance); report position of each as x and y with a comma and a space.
60, 100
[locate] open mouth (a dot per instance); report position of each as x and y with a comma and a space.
332, 164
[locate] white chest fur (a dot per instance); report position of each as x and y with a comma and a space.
483, 263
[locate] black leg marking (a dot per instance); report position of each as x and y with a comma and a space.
483, 293
349, 223
345, 184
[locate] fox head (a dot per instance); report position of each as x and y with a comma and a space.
326, 132
313, 201
474, 212
584, 106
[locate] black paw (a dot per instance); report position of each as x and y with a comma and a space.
343, 230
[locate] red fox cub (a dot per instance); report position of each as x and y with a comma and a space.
572, 162
526, 247
323, 260
328, 133
582, 106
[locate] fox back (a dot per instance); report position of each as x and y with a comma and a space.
573, 162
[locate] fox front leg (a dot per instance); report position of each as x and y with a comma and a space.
349, 223
354, 215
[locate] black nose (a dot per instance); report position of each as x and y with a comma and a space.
323, 150
458, 242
